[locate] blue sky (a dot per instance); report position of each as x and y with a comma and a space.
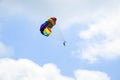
90, 27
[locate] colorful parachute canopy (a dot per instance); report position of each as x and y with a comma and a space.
46, 27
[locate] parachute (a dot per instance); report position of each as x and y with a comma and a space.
46, 27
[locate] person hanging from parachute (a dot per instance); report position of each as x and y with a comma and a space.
64, 43
46, 27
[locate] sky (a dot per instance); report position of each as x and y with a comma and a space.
90, 27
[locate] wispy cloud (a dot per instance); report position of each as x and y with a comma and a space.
24, 69
101, 39
100, 36
5, 51
67, 12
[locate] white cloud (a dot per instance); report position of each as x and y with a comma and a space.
93, 75
24, 69
5, 50
103, 37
